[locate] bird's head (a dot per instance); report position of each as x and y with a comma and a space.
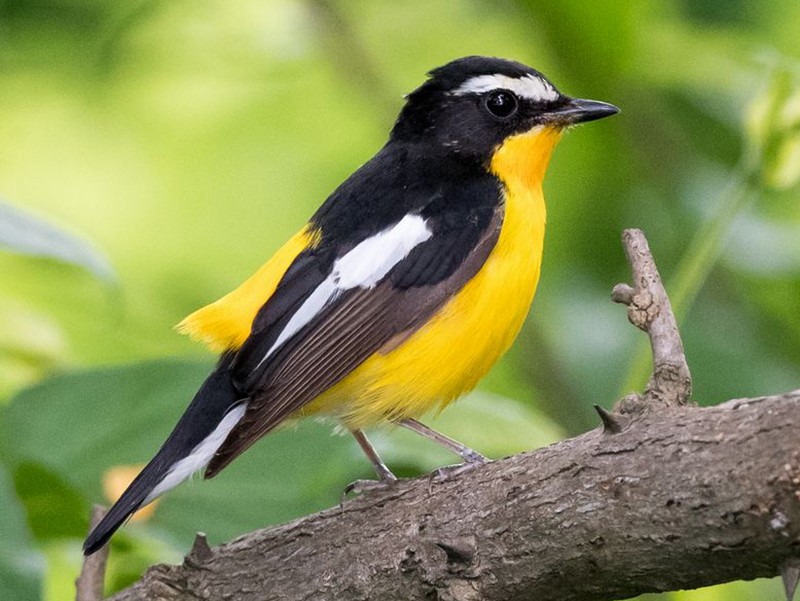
473, 107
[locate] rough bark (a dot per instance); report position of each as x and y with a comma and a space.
681, 498
662, 496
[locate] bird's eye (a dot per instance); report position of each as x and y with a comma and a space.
501, 104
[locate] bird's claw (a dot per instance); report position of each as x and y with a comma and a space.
450, 471
358, 487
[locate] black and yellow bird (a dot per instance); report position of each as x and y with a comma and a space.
400, 293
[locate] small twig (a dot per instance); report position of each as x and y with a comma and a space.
790, 574
649, 309
90, 583
613, 423
200, 552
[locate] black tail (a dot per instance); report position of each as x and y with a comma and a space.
215, 408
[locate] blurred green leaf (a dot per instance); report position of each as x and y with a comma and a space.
785, 172
772, 125
30, 345
20, 565
24, 233
62, 568
54, 509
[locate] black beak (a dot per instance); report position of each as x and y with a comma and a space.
578, 110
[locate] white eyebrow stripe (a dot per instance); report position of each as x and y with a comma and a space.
527, 86
363, 266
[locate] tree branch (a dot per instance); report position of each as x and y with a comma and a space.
649, 309
89, 584
664, 496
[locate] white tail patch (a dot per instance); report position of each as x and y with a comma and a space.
200, 455
362, 267
528, 86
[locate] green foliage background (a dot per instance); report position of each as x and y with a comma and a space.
155, 153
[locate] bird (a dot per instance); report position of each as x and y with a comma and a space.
400, 292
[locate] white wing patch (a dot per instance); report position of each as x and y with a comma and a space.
200, 455
372, 259
527, 86
362, 267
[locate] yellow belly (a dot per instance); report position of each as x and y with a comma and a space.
454, 350
457, 347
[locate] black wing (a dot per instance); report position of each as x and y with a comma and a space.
355, 324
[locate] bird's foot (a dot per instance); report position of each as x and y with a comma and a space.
472, 459
358, 487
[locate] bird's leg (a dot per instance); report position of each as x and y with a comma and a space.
471, 457
385, 476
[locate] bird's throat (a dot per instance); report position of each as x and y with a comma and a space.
523, 159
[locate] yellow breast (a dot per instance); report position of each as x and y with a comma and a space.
457, 347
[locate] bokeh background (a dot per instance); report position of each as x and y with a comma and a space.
155, 153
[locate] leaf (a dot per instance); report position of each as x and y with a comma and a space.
785, 172
31, 344
20, 565
772, 120
26, 234
55, 510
